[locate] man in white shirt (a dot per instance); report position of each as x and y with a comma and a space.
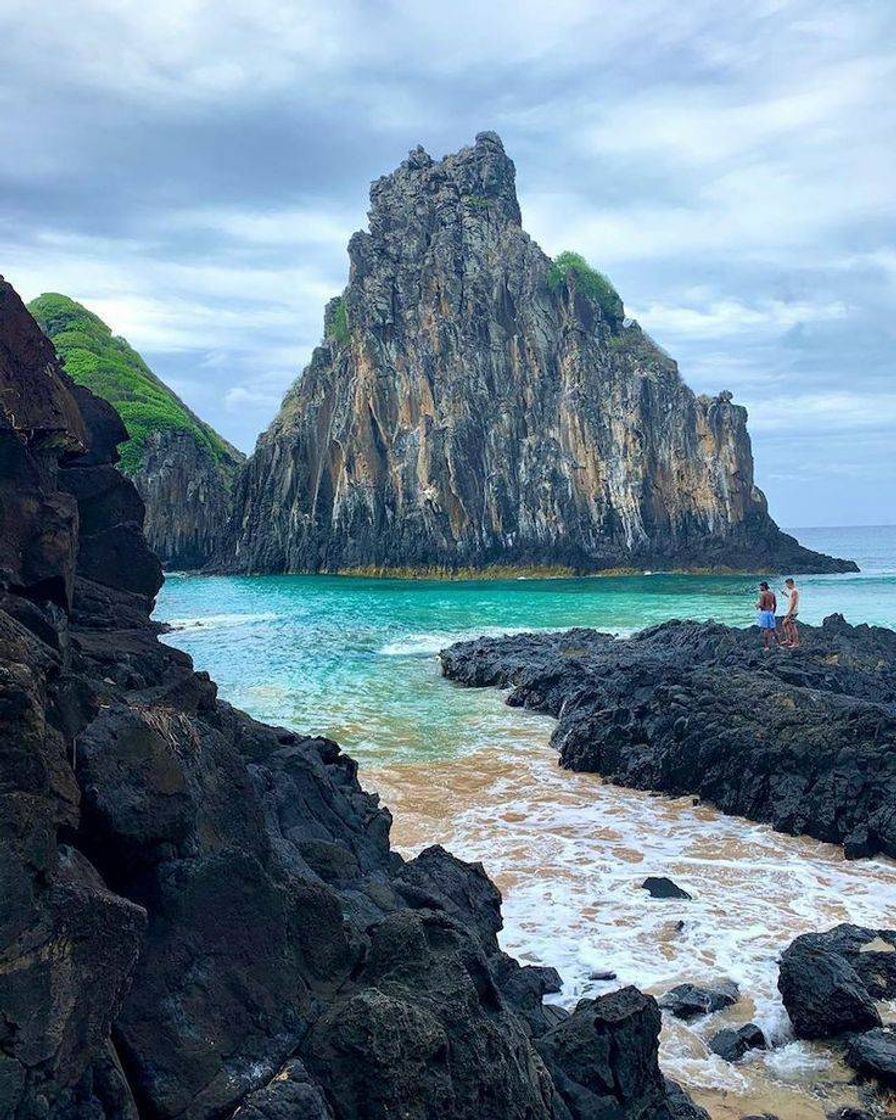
788, 622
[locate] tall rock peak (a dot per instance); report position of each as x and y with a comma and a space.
475, 404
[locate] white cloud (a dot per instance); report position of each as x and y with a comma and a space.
727, 317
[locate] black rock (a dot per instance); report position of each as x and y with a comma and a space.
687, 1001
874, 1055
661, 887
603, 1061
679, 1104
601, 974
732, 1043
849, 1113
808, 746
829, 981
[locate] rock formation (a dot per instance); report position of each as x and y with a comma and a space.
182, 468
832, 984
805, 742
201, 915
475, 405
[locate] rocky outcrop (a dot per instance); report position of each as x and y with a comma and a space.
830, 982
183, 470
475, 405
188, 495
805, 741
202, 917
833, 985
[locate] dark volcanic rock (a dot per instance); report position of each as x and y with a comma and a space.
732, 1044
687, 1001
473, 404
661, 887
830, 981
603, 1060
805, 742
874, 1055
201, 915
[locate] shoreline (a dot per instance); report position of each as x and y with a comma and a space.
498, 573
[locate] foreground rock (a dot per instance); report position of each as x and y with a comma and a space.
830, 981
474, 404
804, 741
201, 915
873, 1054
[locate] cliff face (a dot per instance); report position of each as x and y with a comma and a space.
473, 404
201, 915
182, 468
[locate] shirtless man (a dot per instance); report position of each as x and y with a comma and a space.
766, 605
788, 622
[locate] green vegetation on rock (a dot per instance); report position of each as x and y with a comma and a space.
588, 281
337, 321
108, 366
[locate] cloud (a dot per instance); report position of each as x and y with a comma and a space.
194, 172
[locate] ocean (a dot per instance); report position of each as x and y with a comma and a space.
356, 660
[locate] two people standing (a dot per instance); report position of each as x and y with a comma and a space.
767, 606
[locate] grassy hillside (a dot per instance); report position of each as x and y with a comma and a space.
106, 364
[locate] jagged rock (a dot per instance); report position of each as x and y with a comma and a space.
874, 1055
807, 744
473, 404
687, 1001
661, 887
829, 981
202, 916
731, 1044
603, 1059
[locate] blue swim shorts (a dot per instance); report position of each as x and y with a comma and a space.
766, 620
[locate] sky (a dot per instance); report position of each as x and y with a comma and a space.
192, 172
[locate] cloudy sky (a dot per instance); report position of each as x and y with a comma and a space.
192, 173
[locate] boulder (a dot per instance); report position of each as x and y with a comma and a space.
687, 1001
873, 1054
732, 1043
661, 887
824, 982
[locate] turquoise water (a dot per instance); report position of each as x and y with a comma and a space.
355, 658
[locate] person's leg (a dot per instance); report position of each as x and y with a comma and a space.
794, 634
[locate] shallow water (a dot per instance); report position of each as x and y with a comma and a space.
356, 659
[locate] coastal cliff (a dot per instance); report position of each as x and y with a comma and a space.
202, 917
183, 470
475, 405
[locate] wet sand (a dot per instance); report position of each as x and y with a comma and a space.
569, 853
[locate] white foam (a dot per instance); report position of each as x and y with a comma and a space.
570, 853
217, 621
429, 643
